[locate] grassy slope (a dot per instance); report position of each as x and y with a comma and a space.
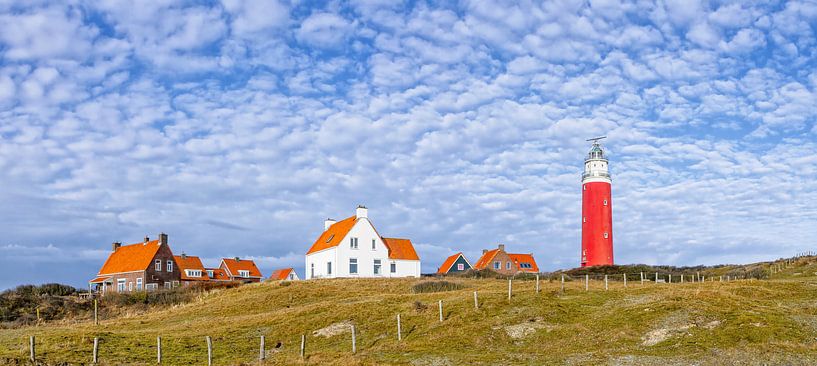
752, 322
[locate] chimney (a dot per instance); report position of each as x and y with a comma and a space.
362, 211
328, 223
502, 247
237, 259
484, 251
115, 246
147, 238
184, 256
162, 239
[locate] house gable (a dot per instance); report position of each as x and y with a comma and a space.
451, 264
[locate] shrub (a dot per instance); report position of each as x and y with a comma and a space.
435, 286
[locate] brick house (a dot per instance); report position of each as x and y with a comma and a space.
505, 263
241, 270
148, 265
191, 269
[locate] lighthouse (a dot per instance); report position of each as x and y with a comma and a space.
597, 208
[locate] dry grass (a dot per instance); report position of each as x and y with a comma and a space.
747, 322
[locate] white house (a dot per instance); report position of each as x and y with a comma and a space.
353, 248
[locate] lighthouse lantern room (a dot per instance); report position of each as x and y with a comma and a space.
597, 208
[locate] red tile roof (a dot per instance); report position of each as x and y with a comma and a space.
401, 249
218, 274
518, 259
234, 265
129, 258
332, 236
100, 279
448, 263
281, 274
486, 258
190, 262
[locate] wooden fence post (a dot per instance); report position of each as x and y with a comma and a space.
642, 278
96, 350
605, 282
96, 313
354, 340
263, 351
625, 280
209, 351
656, 277
400, 331
476, 303
440, 303
587, 282
563, 284
537, 283
159, 350
303, 344
510, 287
682, 278
720, 278
32, 356
669, 278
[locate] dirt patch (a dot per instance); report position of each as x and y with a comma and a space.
334, 329
522, 330
676, 325
432, 361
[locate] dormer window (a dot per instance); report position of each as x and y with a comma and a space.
158, 265
210, 273
243, 273
330, 238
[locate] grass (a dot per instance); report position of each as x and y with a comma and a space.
742, 322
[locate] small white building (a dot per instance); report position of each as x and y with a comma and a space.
353, 248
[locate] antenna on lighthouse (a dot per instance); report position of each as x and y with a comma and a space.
596, 139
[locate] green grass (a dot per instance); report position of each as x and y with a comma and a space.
742, 322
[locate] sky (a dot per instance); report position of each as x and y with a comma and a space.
237, 127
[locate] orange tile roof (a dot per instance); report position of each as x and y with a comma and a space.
129, 258
332, 236
486, 258
190, 262
281, 274
100, 279
524, 258
448, 263
233, 266
218, 274
401, 249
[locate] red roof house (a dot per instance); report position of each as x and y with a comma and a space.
148, 265
505, 263
243, 270
191, 268
285, 274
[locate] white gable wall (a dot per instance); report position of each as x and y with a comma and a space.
340, 256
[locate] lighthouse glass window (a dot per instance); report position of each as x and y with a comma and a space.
605, 235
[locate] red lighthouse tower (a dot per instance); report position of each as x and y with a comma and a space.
597, 208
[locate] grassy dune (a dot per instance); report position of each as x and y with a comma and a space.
742, 322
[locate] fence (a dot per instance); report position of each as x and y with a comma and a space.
176, 350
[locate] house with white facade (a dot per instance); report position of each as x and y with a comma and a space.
353, 248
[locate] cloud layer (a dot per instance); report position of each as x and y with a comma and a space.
238, 127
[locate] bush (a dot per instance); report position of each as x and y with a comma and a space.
435, 286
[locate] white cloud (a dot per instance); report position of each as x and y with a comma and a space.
325, 30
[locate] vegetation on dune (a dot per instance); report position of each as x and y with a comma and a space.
435, 286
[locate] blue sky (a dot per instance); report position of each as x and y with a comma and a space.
238, 127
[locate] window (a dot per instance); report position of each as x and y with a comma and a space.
194, 272
497, 265
130, 286
158, 265
138, 284
243, 273
210, 273
353, 243
377, 266
393, 267
605, 202
151, 287
291, 276
584, 219
352, 265
167, 284
605, 235
525, 265
584, 187
175, 283
328, 268
170, 266
120, 285
507, 265
373, 247
460, 267
312, 270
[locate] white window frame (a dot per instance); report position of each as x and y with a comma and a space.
584, 219
120, 285
353, 243
152, 286
329, 268
353, 262
377, 267
374, 246
210, 273
605, 235
243, 273
158, 265
497, 265
460, 266
393, 267
130, 286
605, 202
508, 265
170, 266
139, 284
167, 284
